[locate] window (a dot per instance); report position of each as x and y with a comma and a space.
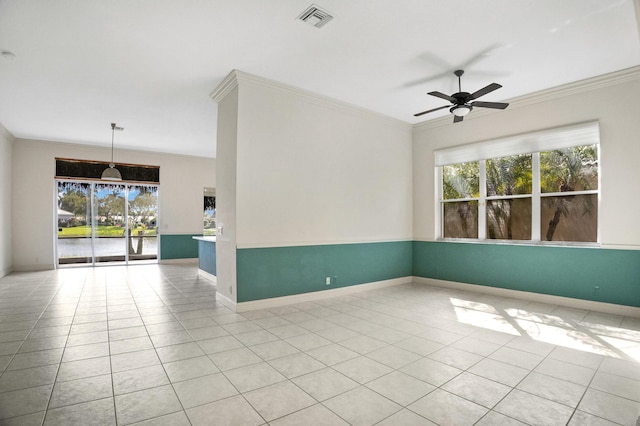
461, 192
209, 218
547, 194
509, 197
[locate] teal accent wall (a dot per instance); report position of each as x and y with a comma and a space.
282, 271
178, 246
207, 256
560, 271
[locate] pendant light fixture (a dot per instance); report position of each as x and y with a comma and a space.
111, 173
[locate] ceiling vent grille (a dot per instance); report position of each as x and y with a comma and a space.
315, 16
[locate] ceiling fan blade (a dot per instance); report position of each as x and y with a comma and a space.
427, 79
442, 96
457, 118
495, 105
431, 110
487, 89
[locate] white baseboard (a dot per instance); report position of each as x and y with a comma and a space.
5, 271
316, 295
226, 301
570, 302
207, 275
33, 268
186, 261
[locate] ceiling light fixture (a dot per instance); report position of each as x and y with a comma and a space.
461, 110
111, 173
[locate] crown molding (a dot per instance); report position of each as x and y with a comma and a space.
240, 78
6, 134
229, 83
581, 86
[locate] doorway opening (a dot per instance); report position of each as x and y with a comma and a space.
101, 222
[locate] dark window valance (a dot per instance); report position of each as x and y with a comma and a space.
85, 169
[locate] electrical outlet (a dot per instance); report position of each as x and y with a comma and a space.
230, 290
596, 290
334, 280
327, 281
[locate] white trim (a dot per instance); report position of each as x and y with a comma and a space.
184, 261
482, 201
6, 134
225, 87
536, 201
5, 272
620, 246
274, 244
590, 305
226, 301
525, 143
317, 295
34, 268
208, 276
237, 78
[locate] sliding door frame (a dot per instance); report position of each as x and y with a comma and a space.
93, 216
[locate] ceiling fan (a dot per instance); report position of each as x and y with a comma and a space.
461, 104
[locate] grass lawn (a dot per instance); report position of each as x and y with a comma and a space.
102, 231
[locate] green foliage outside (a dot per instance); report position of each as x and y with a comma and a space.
563, 170
509, 175
75, 201
461, 181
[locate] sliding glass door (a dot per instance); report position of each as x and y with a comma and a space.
75, 218
109, 224
142, 211
100, 222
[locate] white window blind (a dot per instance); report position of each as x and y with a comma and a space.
545, 140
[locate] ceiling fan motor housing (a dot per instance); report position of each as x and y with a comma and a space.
461, 97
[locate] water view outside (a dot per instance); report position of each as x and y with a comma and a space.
69, 248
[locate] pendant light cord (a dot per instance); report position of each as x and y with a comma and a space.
113, 129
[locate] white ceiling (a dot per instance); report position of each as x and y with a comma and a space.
150, 65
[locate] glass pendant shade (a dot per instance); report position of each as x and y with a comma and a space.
461, 110
111, 173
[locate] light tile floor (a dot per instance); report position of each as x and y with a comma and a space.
151, 345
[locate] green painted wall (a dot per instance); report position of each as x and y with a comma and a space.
282, 271
178, 246
207, 256
561, 271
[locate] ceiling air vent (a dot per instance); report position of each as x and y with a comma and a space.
315, 16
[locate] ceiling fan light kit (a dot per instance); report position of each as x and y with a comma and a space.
461, 104
460, 110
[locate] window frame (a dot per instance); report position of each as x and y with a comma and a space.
547, 140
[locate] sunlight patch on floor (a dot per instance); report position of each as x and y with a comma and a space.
482, 315
610, 341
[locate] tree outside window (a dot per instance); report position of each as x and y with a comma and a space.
558, 189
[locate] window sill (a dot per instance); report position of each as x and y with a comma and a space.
521, 243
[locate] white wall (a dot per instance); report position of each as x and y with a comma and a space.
182, 180
226, 195
6, 148
315, 171
611, 100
